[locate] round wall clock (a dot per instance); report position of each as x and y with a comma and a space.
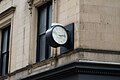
57, 36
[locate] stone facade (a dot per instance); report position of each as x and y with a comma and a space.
96, 35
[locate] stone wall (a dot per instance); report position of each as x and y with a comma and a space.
100, 21
20, 27
21, 35
96, 27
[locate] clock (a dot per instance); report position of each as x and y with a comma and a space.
57, 36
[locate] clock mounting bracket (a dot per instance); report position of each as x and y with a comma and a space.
69, 46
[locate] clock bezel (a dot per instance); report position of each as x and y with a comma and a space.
50, 38
66, 35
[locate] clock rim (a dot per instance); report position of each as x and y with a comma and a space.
65, 31
50, 39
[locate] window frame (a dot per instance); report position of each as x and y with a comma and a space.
4, 71
6, 19
47, 53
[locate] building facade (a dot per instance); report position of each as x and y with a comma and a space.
94, 47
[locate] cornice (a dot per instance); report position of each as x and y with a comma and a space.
81, 67
7, 12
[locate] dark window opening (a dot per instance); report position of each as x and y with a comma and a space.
4, 58
44, 23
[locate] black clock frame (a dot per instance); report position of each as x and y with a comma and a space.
69, 46
50, 39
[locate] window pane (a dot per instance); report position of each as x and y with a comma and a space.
4, 63
42, 47
48, 50
48, 53
5, 52
5, 38
42, 20
50, 16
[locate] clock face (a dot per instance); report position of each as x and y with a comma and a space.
60, 35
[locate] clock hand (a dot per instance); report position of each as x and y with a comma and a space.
62, 35
56, 33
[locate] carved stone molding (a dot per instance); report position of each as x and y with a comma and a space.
7, 12
77, 68
30, 2
36, 3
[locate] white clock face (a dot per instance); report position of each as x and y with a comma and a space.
60, 35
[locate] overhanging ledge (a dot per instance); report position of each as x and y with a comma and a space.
78, 68
7, 12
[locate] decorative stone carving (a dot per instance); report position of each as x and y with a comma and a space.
30, 2
7, 12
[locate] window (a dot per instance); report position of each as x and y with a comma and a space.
4, 51
44, 23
